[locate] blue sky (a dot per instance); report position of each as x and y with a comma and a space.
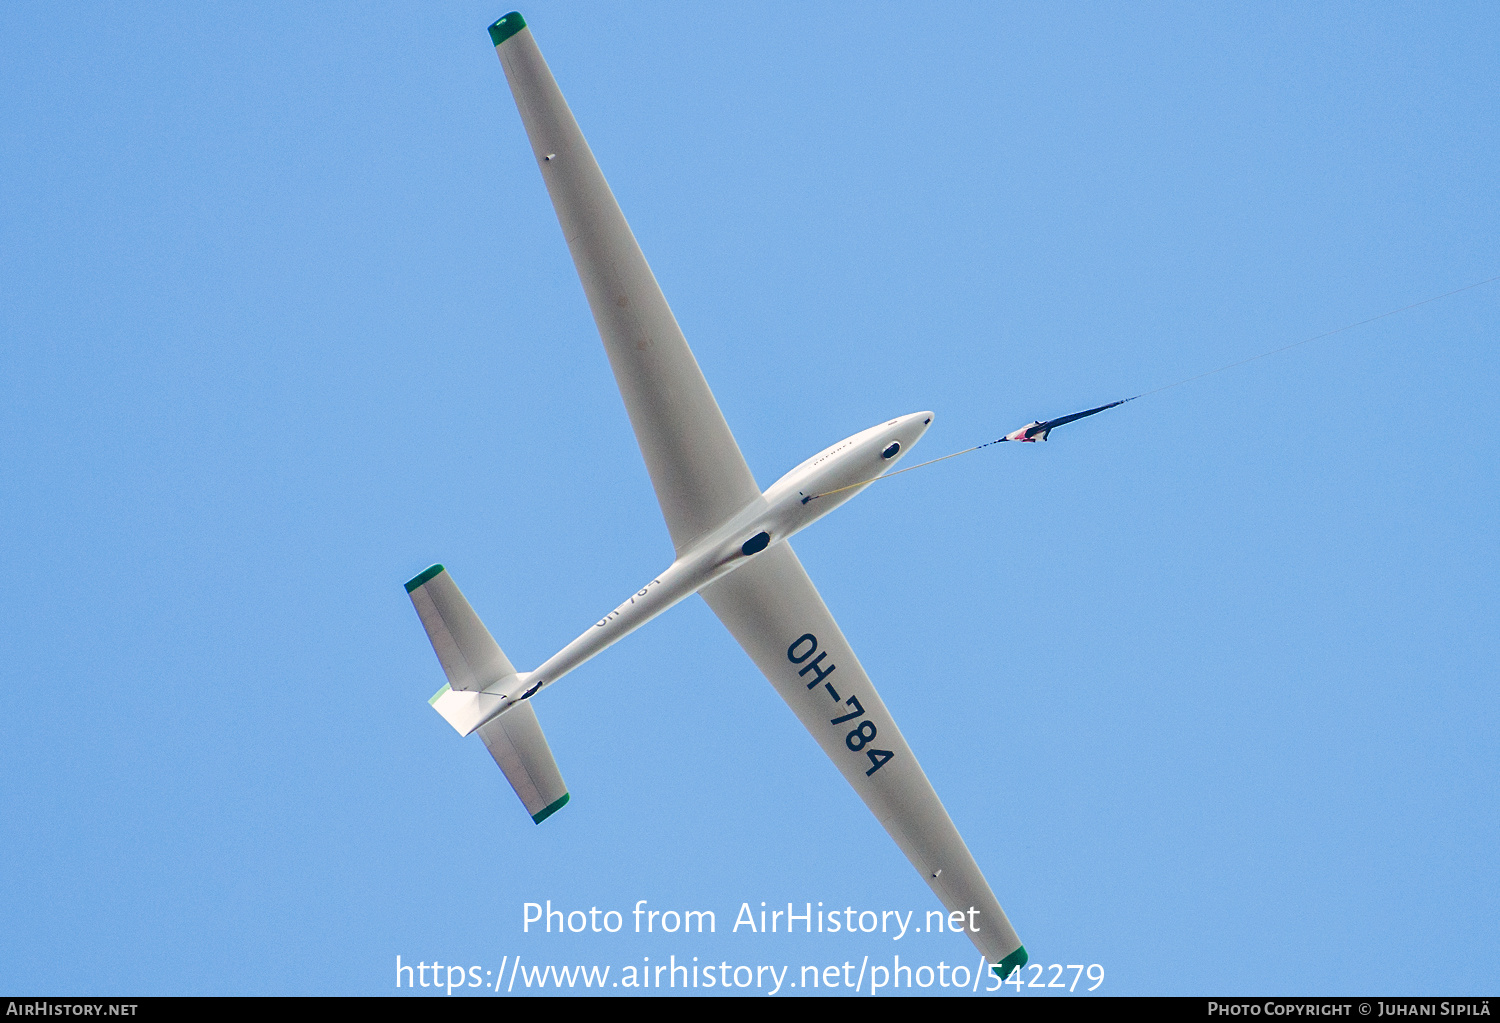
1206, 682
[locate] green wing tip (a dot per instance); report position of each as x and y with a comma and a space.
1011, 962
424, 577
507, 27
439, 694
548, 811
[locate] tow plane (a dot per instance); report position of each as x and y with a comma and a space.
730, 540
1039, 429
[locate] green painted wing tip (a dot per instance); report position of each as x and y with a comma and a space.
439, 694
412, 584
507, 27
1011, 962
548, 811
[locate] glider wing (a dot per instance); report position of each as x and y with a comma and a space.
700, 477
774, 611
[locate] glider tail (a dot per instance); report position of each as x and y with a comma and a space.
477, 668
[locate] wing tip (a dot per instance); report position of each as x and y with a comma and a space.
507, 27
550, 809
1012, 962
426, 575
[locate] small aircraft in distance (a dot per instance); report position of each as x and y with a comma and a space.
1035, 431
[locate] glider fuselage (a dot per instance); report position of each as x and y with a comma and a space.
835, 474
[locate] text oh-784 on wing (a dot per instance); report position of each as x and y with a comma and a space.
863, 733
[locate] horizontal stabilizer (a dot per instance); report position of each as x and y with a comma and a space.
516, 742
479, 673
471, 658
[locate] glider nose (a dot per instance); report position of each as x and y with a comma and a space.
907, 431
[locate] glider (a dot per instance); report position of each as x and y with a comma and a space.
730, 540
1038, 430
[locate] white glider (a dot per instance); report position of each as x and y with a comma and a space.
730, 539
